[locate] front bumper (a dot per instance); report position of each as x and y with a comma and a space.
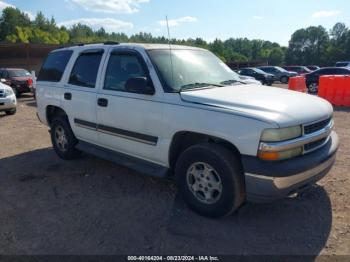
8, 103
268, 181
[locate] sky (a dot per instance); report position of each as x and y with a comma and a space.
273, 20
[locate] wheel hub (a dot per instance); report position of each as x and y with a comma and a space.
204, 183
61, 139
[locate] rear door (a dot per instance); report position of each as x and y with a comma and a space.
129, 122
79, 96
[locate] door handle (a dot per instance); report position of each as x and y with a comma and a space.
103, 102
68, 96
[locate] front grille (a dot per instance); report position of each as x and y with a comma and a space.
2, 93
314, 145
316, 126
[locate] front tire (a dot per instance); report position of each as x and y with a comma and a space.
210, 179
313, 88
284, 80
63, 139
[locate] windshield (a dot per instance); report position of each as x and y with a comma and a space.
259, 71
191, 69
19, 73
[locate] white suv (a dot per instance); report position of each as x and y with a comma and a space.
8, 101
182, 112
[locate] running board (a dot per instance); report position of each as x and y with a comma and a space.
133, 163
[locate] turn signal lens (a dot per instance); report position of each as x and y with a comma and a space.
269, 156
274, 156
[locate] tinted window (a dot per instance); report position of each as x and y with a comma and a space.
54, 65
343, 64
327, 71
3, 74
120, 68
85, 70
342, 71
266, 69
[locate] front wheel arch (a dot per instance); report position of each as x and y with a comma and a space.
182, 140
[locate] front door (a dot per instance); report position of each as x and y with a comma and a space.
128, 122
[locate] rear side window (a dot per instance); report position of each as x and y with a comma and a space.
85, 70
54, 66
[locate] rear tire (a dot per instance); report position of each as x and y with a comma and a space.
11, 112
210, 179
63, 139
15, 91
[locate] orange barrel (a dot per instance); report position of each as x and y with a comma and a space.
303, 87
339, 89
346, 98
324, 82
292, 83
297, 83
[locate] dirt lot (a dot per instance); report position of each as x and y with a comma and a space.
90, 206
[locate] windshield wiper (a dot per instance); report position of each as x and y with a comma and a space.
231, 81
198, 86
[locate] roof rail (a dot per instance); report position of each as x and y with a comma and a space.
111, 43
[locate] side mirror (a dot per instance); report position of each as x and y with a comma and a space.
139, 85
2, 80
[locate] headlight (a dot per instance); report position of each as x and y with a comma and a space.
8, 92
281, 134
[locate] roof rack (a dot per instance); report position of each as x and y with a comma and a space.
111, 43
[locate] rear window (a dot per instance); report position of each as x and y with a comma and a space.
18, 73
85, 70
54, 66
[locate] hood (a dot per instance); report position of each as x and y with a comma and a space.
271, 104
3, 86
292, 73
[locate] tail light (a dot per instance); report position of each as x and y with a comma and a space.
30, 82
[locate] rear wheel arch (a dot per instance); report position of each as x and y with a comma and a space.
54, 111
185, 139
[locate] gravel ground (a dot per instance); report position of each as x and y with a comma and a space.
90, 206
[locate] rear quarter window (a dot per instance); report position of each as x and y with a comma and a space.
54, 66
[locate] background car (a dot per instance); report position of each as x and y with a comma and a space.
249, 80
313, 67
259, 75
301, 70
19, 79
343, 64
280, 74
8, 101
312, 79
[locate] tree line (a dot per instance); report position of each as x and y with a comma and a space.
310, 46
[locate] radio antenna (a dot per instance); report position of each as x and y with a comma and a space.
171, 56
